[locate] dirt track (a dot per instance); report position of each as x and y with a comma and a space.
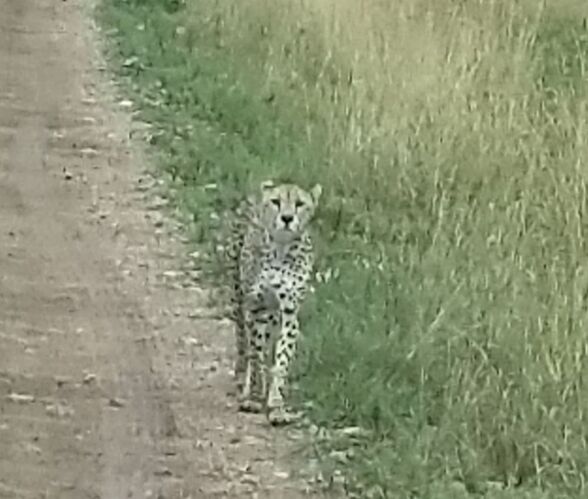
108, 389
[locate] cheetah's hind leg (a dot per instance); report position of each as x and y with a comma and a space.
241, 362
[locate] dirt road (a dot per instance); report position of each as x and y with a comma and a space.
109, 387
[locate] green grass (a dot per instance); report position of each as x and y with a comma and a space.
451, 141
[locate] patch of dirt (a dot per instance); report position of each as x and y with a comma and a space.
110, 387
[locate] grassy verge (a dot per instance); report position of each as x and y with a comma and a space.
451, 139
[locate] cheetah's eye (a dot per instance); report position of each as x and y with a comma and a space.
298, 204
276, 202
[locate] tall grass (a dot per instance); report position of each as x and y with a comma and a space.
451, 139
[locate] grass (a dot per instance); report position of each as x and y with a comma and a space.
450, 137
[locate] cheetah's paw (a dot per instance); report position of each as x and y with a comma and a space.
248, 405
280, 416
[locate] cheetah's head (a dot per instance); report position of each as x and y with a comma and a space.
286, 209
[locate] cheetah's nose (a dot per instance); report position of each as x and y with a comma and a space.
287, 219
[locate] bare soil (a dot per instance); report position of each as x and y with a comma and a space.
114, 376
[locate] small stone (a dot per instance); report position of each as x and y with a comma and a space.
163, 472
59, 410
130, 61
21, 398
61, 380
250, 479
172, 274
193, 341
116, 403
89, 152
32, 448
158, 203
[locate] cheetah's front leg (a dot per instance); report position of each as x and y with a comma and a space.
255, 389
285, 350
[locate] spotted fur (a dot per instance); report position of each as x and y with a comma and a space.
271, 260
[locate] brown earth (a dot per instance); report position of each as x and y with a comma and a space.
113, 382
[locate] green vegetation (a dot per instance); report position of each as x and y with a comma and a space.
451, 139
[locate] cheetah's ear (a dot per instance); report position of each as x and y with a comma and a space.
316, 192
267, 184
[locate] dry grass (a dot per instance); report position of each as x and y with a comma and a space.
450, 136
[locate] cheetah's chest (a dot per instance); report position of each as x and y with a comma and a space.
283, 280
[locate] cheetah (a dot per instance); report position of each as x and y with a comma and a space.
270, 263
